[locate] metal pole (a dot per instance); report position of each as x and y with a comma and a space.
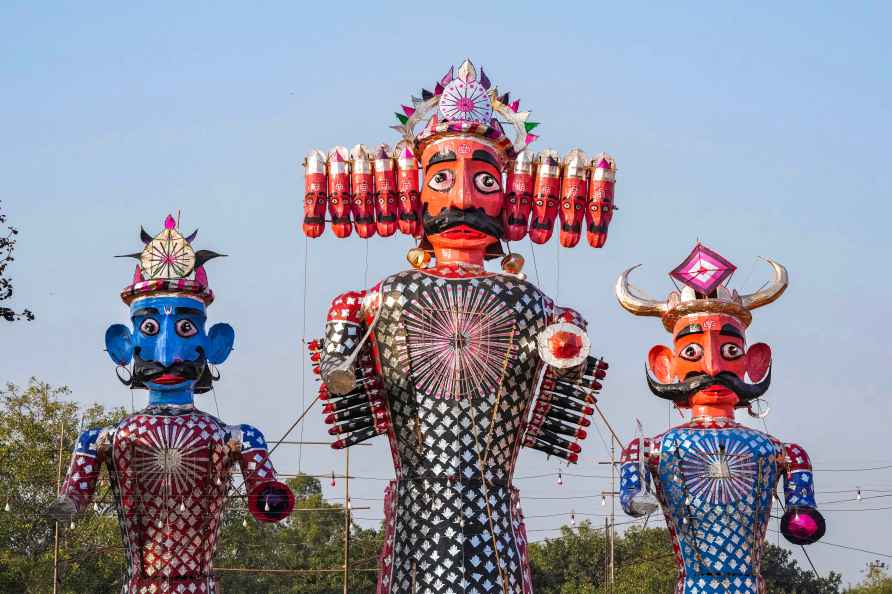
612, 514
58, 487
606, 556
347, 521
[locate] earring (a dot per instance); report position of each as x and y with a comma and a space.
512, 263
127, 382
418, 257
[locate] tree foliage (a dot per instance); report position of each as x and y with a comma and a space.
7, 248
876, 580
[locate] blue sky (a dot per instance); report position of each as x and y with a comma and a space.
760, 129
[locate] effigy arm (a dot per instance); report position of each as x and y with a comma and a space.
269, 500
802, 523
83, 474
634, 485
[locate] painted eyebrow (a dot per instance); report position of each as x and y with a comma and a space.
441, 158
729, 330
145, 311
480, 155
692, 329
189, 311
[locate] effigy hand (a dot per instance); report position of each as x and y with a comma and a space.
270, 501
62, 510
802, 525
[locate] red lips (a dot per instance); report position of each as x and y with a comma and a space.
168, 378
462, 232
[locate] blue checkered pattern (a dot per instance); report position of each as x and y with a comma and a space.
799, 489
716, 487
86, 443
252, 439
629, 484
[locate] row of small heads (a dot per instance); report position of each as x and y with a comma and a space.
546, 163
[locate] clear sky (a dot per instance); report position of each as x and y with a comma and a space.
760, 129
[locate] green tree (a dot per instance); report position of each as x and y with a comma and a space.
7, 247
31, 421
575, 563
308, 540
876, 580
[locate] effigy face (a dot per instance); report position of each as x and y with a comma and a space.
168, 343
462, 195
709, 348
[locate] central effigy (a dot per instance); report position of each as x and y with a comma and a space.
460, 367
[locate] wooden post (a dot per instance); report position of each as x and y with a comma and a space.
58, 487
347, 521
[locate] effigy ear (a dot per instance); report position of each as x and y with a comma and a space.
660, 360
220, 341
758, 360
119, 344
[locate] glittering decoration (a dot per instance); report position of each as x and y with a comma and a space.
719, 470
703, 270
458, 340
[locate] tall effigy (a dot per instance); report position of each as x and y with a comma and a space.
715, 479
170, 464
458, 366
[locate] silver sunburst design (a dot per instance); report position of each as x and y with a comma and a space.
171, 457
719, 470
459, 340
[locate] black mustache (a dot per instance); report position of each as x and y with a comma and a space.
517, 221
682, 391
450, 217
541, 224
145, 370
602, 228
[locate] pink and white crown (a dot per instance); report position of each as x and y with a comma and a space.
466, 103
168, 265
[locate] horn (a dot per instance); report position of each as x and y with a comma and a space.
136, 255
192, 236
770, 293
202, 256
635, 304
144, 236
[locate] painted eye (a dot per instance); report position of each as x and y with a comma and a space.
566, 205
486, 183
185, 328
149, 327
441, 181
605, 208
381, 201
334, 200
512, 200
692, 352
539, 203
731, 351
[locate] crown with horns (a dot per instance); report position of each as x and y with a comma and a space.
168, 265
704, 274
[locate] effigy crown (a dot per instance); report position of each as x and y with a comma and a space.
704, 273
168, 265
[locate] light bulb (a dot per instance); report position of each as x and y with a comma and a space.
560, 479
858, 496
603, 500
95, 507
266, 506
245, 523
333, 483
6, 507
182, 506
71, 526
573, 519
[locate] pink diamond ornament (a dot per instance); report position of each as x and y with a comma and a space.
703, 270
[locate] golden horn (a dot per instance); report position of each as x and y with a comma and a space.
771, 292
636, 304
